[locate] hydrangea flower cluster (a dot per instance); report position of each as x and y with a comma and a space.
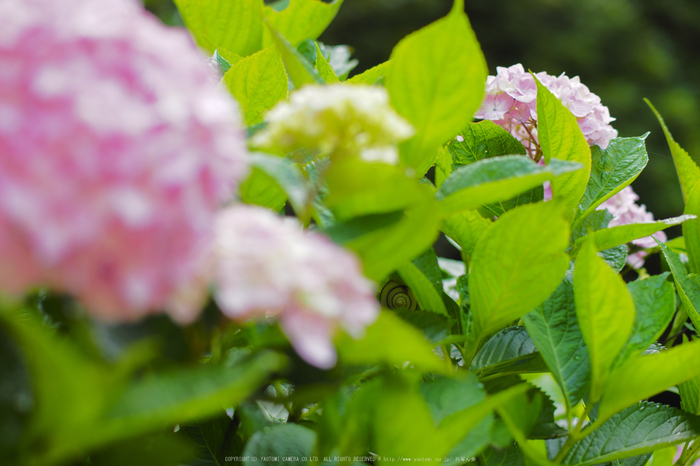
337, 120
266, 266
511, 102
115, 153
624, 209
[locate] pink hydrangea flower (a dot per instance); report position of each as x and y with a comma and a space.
511, 102
266, 266
115, 152
625, 210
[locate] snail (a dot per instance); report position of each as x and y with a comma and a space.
396, 295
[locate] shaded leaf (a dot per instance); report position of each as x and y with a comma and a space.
636, 430
555, 331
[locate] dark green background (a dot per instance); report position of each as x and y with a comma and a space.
623, 50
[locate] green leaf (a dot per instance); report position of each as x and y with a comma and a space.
511, 456
605, 312
371, 76
185, 395
163, 449
690, 395
436, 81
324, 69
560, 137
269, 447
415, 231
356, 187
261, 188
556, 333
16, 396
510, 346
687, 169
339, 58
286, 175
446, 396
612, 169
655, 303
511, 271
435, 327
215, 440
302, 19
687, 285
636, 430
465, 228
495, 179
428, 297
234, 26
300, 71
390, 340
257, 82
481, 140
622, 234
646, 375
691, 230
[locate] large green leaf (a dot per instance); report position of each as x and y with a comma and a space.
690, 395
687, 169
436, 81
655, 303
637, 430
605, 313
356, 187
465, 228
300, 71
510, 346
164, 399
415, 230
646, 375
257, 82
483, 140
691, 229
302, 19
270, 446
261, 188
511, 456
554, 329
324, 68
390, 340
517, 264
612, 169
428, 297
234, 26
560, 137
371, 76
214, 440
687, 285
286, 175
607, 238
494, 180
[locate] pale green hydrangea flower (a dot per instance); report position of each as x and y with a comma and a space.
339, 120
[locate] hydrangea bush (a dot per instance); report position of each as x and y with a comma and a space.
217, 248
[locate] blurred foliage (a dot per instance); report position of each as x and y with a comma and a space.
623, 50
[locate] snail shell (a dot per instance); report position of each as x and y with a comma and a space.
396, 295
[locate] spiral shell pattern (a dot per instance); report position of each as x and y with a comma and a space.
396, 295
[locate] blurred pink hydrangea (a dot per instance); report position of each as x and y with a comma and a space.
267, 266
511, 102
625, 210
115, 152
